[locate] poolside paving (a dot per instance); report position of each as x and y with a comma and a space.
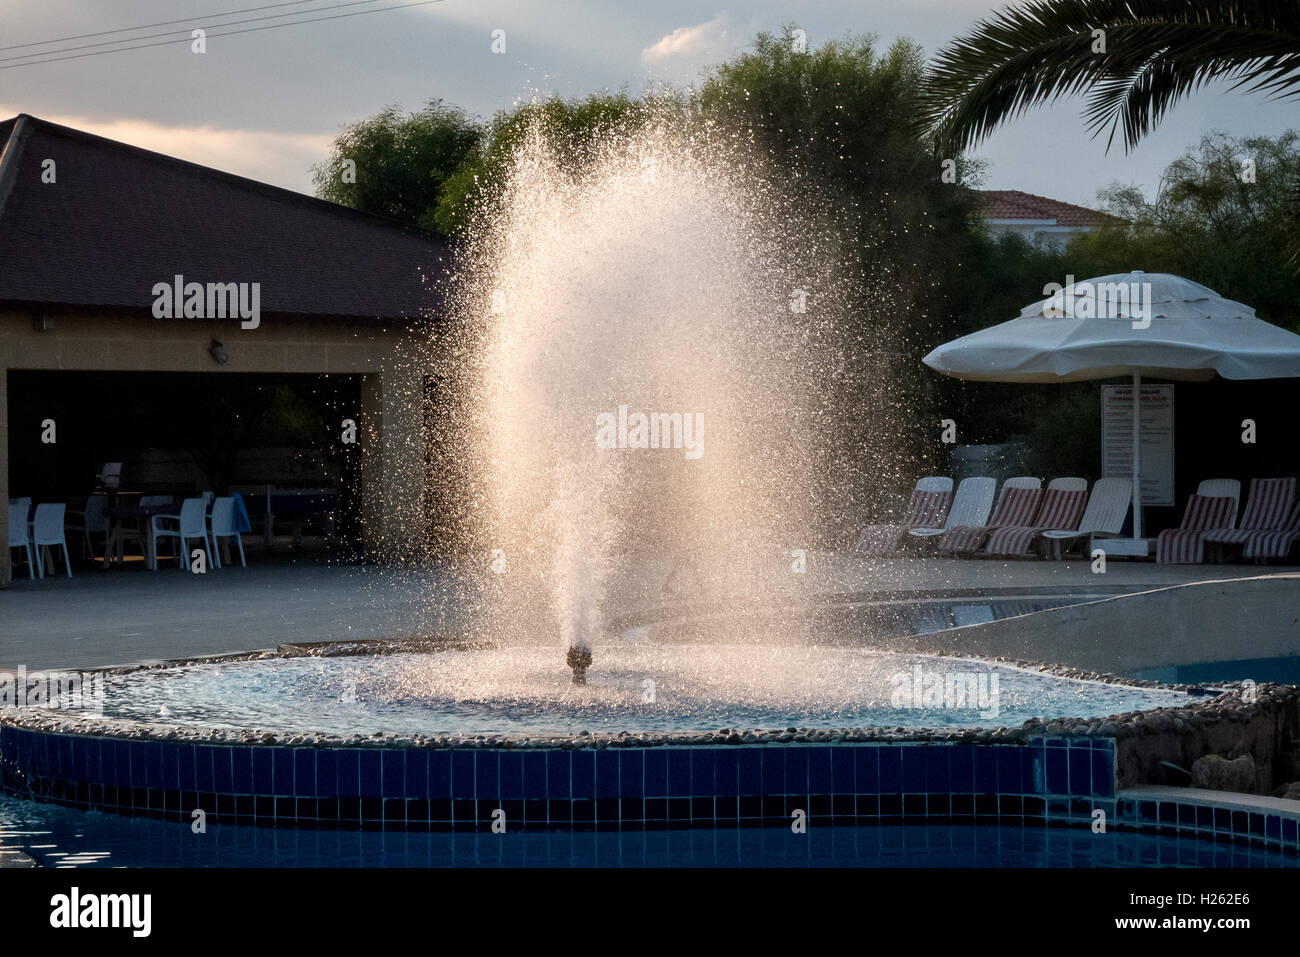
129, 615
120, 617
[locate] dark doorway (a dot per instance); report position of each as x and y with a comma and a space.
183, 433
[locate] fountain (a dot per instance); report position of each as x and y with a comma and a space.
644, 333
641, 437
579, 659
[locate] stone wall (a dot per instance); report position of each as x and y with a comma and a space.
1267, 730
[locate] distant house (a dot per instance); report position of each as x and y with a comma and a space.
1041, 221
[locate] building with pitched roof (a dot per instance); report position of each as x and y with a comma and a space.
1037, 219
97, 238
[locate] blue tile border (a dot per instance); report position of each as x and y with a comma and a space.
1188, 812
1038, 783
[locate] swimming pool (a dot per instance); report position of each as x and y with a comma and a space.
1280, 670
52, 836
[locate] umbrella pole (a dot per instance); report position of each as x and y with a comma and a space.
1137, 454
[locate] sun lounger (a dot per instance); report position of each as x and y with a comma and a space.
1104, 516
1185, 545
927, 506
1267, 508
1223, 488
970, 506
1062, 508
1016, 506
1276, 543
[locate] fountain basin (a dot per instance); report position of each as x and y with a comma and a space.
1039, 772
635, 689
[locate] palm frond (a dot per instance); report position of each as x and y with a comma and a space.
1155, 53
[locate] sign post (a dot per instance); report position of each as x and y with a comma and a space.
1151, 434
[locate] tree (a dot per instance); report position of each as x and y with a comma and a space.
574, 122
840, 114
397, 165
1220, 215
836, 121
1135, 59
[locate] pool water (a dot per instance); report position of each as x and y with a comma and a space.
928, 616
52, 836
631, 687
1284, 671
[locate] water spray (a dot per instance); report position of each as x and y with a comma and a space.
632, 370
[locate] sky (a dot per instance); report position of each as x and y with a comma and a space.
267, 104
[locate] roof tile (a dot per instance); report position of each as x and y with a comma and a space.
1015, 204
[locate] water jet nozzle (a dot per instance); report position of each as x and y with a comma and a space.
579, 659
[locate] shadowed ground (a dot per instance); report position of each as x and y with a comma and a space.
125, 616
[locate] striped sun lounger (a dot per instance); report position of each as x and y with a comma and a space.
927, 506
1185, 545
1276, 543
1267, 509
1062, 508
1016, 506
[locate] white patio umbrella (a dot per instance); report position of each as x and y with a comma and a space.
1126, 324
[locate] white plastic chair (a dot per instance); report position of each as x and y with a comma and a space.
221, 524
1103, 518
47, 530
191, 523
20, 535
111, 476
970, 506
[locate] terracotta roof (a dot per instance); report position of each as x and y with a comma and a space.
1014, 204
119, 219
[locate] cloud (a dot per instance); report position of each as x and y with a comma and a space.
703, 38
281, 159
